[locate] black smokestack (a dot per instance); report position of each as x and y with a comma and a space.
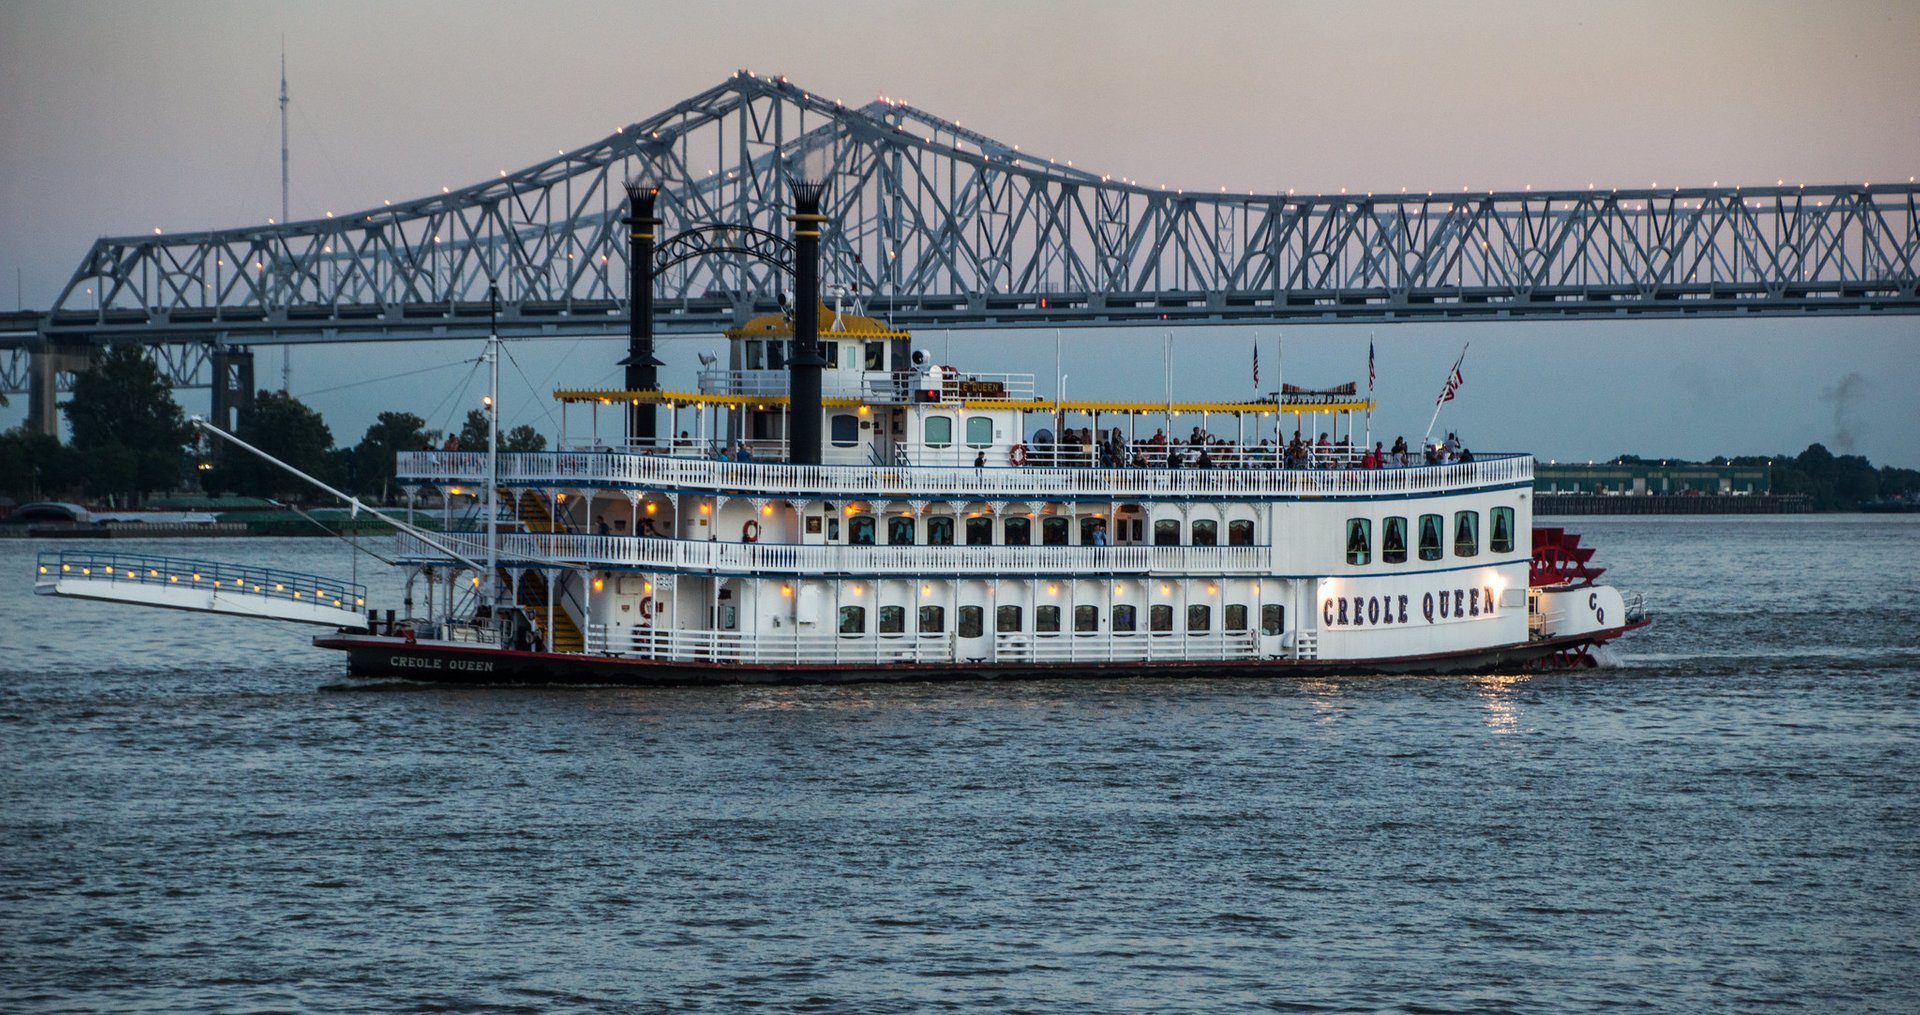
803, 441
642, 367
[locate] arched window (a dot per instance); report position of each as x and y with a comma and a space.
1199, 618
973, 621
1046, 620
1234, 617
1166, 532
1430, 536
1240, 533
940, 530
853, 620
1359, 540
979, 432
1086, 618
1206, 532
893, 620
1124, 619
900, 530
1160, 617
939, 431
1019, 531
1393, 541
860, 530
1006, 620
846, 430
980, 531
933, 619
1054, 531
1273, 619
1466, 533
1500, 540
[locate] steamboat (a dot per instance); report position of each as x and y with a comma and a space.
831, 504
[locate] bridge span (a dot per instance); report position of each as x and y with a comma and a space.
937, 225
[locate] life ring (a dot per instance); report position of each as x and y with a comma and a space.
1018, 454
646, 608
750, 532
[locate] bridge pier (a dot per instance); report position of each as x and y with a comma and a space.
232, 386
45, 364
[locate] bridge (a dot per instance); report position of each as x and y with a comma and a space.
936, 225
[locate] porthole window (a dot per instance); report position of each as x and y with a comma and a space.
1466, 533
1500, 540
1359, 540
1393, 541
1430, 536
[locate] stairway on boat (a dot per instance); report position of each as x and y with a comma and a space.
532, 510
535, 598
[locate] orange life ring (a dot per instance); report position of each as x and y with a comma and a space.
750, 532
1018, 454
646, 608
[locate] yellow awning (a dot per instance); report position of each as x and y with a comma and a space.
612, 397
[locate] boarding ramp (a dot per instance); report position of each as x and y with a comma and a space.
205, 586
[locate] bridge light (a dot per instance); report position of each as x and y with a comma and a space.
156, 229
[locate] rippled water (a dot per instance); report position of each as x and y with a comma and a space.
201, 814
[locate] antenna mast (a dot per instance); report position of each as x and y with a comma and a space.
286, 351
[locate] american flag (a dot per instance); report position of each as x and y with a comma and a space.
1369, 364
1454, 380
1256, 366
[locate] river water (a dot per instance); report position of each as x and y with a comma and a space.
201, 814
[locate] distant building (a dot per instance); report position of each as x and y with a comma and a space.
1644, 479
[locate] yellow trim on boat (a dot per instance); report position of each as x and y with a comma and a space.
611, 397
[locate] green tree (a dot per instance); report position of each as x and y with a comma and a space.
523, 438
473, 436
33, 465
121, 401
284, 427
391, 433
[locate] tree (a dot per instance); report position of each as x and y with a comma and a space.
122, 402
33, 465
284, 427
373, 457
473, 436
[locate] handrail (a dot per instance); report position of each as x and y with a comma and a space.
871, 482
272, 583
782, 558
777, 647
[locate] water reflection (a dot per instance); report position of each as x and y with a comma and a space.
1500, 700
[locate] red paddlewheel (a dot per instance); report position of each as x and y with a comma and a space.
1577, 657
1559, 559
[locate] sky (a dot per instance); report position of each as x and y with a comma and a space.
120, 117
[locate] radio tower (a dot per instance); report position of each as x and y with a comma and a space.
286, 351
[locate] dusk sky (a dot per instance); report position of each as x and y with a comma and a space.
122, 117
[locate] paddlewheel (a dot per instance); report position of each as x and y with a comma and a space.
1573, 657
1559, 559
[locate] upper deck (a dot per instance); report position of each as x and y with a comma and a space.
750, 479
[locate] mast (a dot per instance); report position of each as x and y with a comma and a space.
493, 445
286, 351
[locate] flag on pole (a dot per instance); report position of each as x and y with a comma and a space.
1454, 380
1256, 366
1369, 364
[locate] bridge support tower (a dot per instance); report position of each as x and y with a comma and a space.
232, 386
45, 364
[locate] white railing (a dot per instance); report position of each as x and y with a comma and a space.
887, 649
757, 558
871, 482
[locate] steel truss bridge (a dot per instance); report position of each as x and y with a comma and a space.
936, 225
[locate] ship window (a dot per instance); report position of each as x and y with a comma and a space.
876, 355
1359, 540
1046, 619
1466, 533
1160, 617
1273, 619
1206, 532
900, 530
1240, 533
1430, 537
1501, 539
1124, 619
1166, 532
980, 531
846, 430
756, 355
777, 355
831, 352
1393, 541
939, 431
893, 620
979, 432
1019, 531
1086, 618
1234, 617
853, 620
833, 528
1006, 620
940, 530
933, 619
860, 530
973, 621
1053, 531
1199, 615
